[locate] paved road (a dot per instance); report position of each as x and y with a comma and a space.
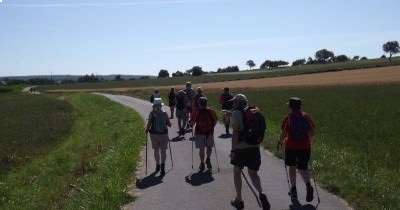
186, 188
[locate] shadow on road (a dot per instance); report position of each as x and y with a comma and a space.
225, 136
149, 181
178, 138
199, 178
298, 206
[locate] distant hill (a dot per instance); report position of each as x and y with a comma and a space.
74, 77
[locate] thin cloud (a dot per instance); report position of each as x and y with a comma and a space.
106, 4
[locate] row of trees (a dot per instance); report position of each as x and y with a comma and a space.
322, 56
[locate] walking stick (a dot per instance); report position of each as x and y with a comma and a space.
216, 156
170, 153
146, 152
251, 188
192, 147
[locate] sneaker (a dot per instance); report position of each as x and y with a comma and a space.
202, 167
238, 204
293, 193
264, 202
208, 162
310, 193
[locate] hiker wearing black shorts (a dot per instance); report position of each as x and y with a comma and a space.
297, 132
172, 101
244, 155
226, 107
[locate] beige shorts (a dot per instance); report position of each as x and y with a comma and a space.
201, 141
159, 141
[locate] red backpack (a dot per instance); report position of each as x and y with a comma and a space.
254, 126
205, 122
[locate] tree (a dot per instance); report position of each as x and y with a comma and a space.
250, 63
118, 78
196, 71
268, 64
342, 58
363, 58
228, 69
383, 56
356, 58
391, 47
299, 62
177, 74
324, 56
163, 73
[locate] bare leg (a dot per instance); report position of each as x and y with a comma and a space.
237, 179
157, 155
292, 175
255, 179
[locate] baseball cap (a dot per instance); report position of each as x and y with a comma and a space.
294, 100
158, 101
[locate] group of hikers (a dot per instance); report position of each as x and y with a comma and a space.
248, 127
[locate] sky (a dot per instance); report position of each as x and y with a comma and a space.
141, 37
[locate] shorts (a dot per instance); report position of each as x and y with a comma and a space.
201, 141
159, 141
298, 158
249, 157
180, 113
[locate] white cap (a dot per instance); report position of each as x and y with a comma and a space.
158, 101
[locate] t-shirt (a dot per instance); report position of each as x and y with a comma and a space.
297, 144
237, 123
212, 114
224, 101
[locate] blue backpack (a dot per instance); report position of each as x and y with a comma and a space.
159, 123
299, 126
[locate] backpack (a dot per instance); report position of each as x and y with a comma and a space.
205, 122
299, 126
159, 123
254, 126
227, 104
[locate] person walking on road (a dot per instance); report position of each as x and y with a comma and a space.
156, 94
244, 154
157, 123
297, 132
181, 114
204, 121
226, 107
189, 93
199, 94
172, 101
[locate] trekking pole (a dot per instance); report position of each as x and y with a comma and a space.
216, 156
315, 186
192, 146
286, 171
251, 188
170, 152
146, 151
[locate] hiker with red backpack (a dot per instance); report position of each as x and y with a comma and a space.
226, 107
297, 132
157, 126
204, 121
248, 126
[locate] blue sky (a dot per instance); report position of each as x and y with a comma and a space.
143, 36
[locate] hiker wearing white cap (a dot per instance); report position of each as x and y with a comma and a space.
157, 123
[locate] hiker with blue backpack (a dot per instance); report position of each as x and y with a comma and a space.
248, 126
204, 121
297, 132
157, 123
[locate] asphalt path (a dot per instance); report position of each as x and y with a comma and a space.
185, 188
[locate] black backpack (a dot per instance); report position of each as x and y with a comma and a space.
299, 126
254, 126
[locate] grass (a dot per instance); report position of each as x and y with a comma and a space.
356, 147
243, 75
89, 168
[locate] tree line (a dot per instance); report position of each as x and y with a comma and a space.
322, 56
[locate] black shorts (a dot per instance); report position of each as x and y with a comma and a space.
298, 158
249, 157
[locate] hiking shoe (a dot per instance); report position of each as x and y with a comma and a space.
162, 173
293, 193
157, 168
264, 201
208, 162
310, 193
238, 204
202, 167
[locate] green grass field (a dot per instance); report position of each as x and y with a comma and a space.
356, 146
88, 166
254, 74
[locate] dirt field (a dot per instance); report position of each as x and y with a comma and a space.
381, 75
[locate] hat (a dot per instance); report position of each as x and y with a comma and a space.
199, 89
203, 101
226, 88
294, 101
158, 102
239, 97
